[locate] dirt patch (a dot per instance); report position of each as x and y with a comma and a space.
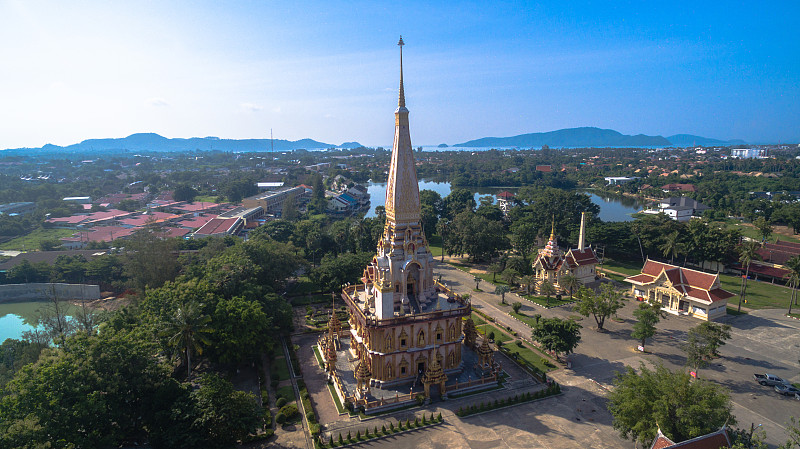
105, 304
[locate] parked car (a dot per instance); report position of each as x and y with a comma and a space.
787, 390
769, 379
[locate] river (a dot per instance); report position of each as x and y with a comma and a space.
612, 208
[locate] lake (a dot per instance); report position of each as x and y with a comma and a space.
18, 317
612, 208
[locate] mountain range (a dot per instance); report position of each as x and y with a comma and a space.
572, 137
593, 137
147, 142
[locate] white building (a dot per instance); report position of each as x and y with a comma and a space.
748, 153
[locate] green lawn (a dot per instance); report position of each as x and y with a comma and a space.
530, 321
205, 199
318, 356
530, 356
498, 334
31, 241
319, 298
477, 319
629, 269
750, 231
542, 301
287, 392
303, 287
435, 245
760, 295
279, 368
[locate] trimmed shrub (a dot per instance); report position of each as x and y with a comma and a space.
280, 418
416, 421
375, 431
349, 437
311, 417
424, 420
289, 410
314, 429
439, 417
341, 441
391, 426
280, 402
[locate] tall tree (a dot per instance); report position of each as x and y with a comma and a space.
748, 252
547, 289
571, 283
150, 259
502, 290
643, 403
187, 331
557, 335
600, 305
671, 246
794, 279
647, 316
703, 342
764, 227
495, 268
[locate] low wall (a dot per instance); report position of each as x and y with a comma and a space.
46, 291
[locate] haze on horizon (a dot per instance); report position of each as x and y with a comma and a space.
79, 70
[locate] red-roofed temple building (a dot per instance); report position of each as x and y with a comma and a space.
713, 440
680, 290
552, 265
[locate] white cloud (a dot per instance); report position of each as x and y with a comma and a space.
157, 101
251, 107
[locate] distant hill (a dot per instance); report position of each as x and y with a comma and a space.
687, 140
572, 137
590, 137
154, 142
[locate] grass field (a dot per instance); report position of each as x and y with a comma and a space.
752, 232
31, 241
205, 199
498, 334
286, 392
531, 357
542, 301
477, 319
530, 321
279, 369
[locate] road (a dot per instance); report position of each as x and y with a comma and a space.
762, 341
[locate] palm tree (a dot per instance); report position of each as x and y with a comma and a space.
186, 331
794, 279
502, 290
510, 275
671, 246
570, 282
528, 280
547, 289
748, 252
495, 268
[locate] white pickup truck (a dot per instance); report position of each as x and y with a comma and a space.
770, 379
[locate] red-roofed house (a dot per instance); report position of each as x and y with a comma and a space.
153, 217
680, 290
713, 440
544, 168
551, 264
219, 227
96, 234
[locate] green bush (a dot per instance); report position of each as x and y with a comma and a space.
383, 429
439, 416
289, 410
280, 418
314, 429
311, 417
280, 402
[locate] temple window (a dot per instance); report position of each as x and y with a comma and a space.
402, 342
402, 370
438, 336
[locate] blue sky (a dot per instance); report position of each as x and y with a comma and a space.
329, 70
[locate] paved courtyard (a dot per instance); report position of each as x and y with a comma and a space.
762, 341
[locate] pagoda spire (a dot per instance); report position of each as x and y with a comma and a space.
553, 229
402, 190
401, 102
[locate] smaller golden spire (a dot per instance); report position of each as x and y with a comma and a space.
553, 229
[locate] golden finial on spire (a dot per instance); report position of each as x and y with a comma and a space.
553, 229
401, 103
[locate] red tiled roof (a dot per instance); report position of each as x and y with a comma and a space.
505, 194
693, 283
682, 187
141, 220
175, 232
100, 234
713, 440
544, 168
661, 442
195, 222
195, 207
217, 226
